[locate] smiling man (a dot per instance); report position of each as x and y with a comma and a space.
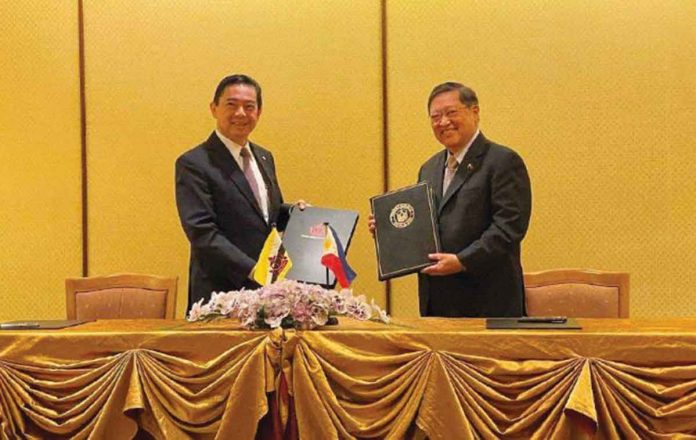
227, 194
483, 199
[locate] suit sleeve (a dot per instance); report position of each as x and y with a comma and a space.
284, 215
511, 203
285, 209
194, 202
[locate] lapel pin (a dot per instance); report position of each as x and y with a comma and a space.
470, 167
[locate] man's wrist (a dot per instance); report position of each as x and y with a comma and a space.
461, 263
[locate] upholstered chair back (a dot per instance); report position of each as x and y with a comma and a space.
121, 296
577, 293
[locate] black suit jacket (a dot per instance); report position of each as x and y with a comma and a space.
221, 218
482, 218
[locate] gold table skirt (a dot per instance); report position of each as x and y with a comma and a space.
446, 379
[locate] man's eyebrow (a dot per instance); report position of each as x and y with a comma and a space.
240, 100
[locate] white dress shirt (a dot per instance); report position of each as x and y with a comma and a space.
236, 151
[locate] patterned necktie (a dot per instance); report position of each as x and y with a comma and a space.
249, 174
452, 165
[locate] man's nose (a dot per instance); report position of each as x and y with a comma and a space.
444, 120
240, 111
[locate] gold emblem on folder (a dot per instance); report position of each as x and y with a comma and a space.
402, 215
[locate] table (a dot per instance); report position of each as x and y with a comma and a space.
444, 378
108, 379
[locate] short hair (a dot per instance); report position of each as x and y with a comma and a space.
467, 96
238, 79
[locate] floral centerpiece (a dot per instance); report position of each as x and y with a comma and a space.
286, 304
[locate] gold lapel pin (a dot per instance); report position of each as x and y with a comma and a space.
470, 167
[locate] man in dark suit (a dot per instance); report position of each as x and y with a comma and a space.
227, 194
483, 200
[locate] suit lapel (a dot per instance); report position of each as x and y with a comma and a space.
470, 164
438, 178
225, 160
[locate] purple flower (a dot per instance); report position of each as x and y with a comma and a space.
307, 306
357, 308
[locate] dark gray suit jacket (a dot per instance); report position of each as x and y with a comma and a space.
221, 218
482, 218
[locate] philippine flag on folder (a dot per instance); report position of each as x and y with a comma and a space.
335, 259
274, 263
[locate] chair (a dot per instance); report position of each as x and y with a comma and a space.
121, 296
577, 293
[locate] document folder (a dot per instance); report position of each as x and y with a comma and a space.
304, 241
41, 324
405, 230
532, 324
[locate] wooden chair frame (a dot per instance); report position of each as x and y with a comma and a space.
584, 276
75, 285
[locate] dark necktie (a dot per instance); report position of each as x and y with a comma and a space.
249, 174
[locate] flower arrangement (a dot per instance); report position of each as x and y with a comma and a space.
286, 304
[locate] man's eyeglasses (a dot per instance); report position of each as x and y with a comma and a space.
449, 113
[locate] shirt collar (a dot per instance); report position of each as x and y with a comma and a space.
233, 147
461, 154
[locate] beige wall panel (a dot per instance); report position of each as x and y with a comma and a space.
152, 67
39, 157
598, 97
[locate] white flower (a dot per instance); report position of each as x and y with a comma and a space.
195, 312
319, 314
228, 304
381, 314
306, 306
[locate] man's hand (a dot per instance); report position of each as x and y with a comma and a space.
445, 264
371, 224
